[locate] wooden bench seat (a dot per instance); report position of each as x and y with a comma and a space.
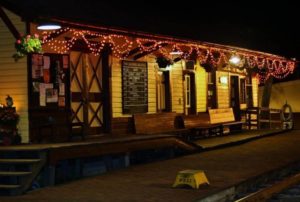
159, 123
225, 117
200, 126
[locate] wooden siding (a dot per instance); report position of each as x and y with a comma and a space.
13, 75
177, 87
201, 89
222, 90
242, 105
116, 84
152, 71
255, 82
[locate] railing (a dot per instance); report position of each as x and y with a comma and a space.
262, 117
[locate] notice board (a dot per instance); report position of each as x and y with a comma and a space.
134, 87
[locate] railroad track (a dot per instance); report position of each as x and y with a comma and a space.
279, 190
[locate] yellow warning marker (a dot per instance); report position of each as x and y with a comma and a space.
192, 178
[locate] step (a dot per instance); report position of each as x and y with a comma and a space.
19, 161
13, 173
9, 186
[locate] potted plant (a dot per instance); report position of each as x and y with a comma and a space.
163, 61
27, 44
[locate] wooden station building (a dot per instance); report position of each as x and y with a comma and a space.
100, 76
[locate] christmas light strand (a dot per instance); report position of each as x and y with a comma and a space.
121, 47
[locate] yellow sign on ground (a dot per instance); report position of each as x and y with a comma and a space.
192, 178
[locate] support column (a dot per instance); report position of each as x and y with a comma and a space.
265, 101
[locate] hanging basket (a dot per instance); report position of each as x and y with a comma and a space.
163, 62
27, 44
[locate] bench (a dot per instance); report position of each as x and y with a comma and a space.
200, 126
225, 117
159, 123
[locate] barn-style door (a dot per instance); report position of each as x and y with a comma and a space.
87, 98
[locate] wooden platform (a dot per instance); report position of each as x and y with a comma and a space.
110, 144
225, 168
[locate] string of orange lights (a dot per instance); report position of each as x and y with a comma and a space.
121, 45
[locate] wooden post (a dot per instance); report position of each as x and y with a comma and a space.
265, 102
85, 94
9, 24
106, 78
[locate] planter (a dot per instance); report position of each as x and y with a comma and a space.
163, 62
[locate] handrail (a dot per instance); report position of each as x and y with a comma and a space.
263, 115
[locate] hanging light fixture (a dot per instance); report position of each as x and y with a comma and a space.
48, 26
235, 59
175, 51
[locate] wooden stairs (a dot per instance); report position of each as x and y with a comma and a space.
18, 169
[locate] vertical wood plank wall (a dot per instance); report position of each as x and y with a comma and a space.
222, 90
116, 82
255, 82
13, 75
177, 87
116, 87
152, 71
177, 94
201, 88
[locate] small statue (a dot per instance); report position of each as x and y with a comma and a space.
9, 101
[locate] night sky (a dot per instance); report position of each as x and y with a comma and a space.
269, 27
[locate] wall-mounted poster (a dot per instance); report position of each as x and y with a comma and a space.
46, 62
36, 71
61, 101
65, 62
36, 86
134, 87
49, 80
51, 95
49, 92
61, 89
46, 75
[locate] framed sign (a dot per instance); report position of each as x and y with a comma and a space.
134, 87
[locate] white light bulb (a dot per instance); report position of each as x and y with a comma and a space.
235, 60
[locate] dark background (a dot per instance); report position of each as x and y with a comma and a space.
259, 25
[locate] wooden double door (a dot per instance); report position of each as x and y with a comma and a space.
89, 85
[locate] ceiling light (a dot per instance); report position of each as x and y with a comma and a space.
175, 51
234, 59
48, 26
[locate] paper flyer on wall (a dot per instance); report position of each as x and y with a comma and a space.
34, 60
61, 89
51, 95
36, 86
42, 101
61, 101
36, 71
46, 75
42, 90
40, 60
46, 62
65, 61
